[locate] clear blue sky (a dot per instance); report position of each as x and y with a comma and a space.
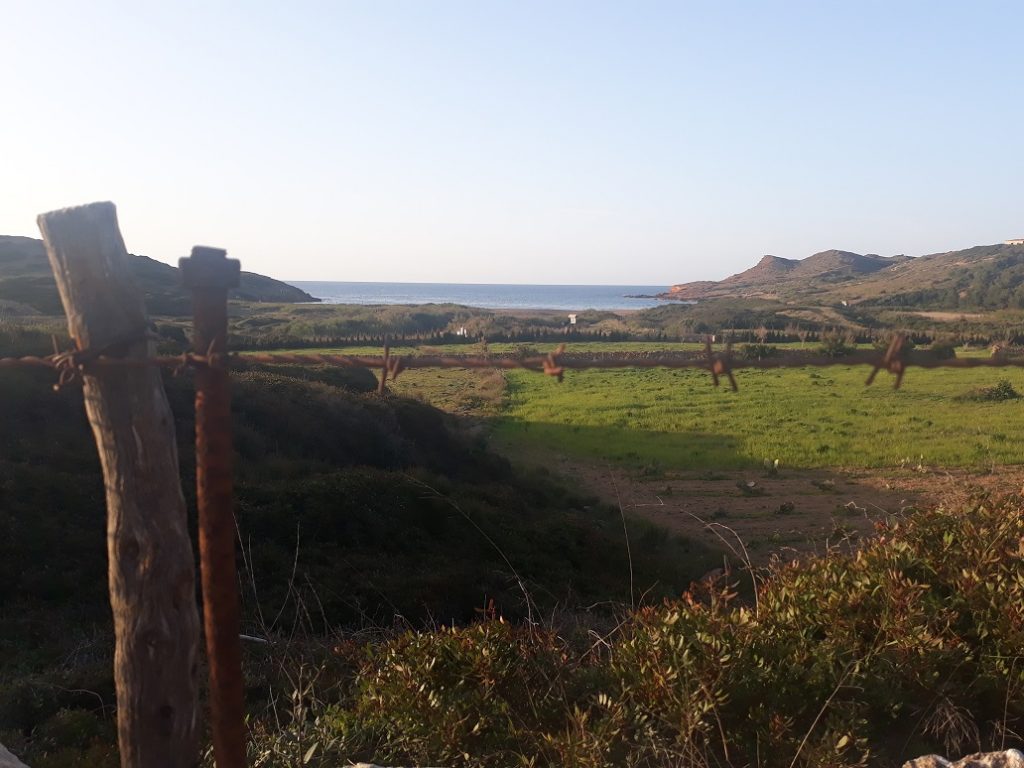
546, 142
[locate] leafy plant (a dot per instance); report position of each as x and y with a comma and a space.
1003, 390
837, 344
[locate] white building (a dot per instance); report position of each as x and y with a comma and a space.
1016, 241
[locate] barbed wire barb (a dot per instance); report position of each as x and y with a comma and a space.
892, 361
719, 364
72, 364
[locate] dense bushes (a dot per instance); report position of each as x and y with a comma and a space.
913, 644
353, 511
364, 491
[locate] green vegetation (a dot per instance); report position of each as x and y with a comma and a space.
276, 326
986, 277
804, 417
260, 326
27, 284
473, 393
982, 277
256, 326
1003, 390
758, 351
837, 345
909, 646
353, 512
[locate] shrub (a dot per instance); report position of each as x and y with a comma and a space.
1003, 390
943, 350
440, 696
757, 351
836, 344
840, 660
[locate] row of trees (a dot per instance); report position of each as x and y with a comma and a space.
763, 335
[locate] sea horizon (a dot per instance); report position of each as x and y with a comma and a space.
487, 295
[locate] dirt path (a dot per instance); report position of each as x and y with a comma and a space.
784, 512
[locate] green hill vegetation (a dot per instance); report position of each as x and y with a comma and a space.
986, 277
972, 296
983, 277
27, 286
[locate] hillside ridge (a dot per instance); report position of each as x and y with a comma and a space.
27, 286
980, 276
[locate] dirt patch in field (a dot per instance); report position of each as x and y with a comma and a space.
950, 317
779, 513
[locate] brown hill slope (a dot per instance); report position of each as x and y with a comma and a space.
986, 276
768, 268
26, 282
774, 276
834, 265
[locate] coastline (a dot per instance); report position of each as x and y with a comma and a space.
524, 312
491, 297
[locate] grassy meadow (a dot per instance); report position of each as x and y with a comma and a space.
802, 417
676, 419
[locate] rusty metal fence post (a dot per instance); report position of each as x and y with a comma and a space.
209, 274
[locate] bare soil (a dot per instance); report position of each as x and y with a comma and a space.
780, 513
950, 317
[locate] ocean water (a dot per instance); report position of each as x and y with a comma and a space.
563, 297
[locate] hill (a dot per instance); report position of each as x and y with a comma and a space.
774, 277
981, 277
27, 286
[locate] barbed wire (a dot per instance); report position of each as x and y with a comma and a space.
721, 364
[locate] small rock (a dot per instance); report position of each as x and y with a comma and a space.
1011, 758
7, 760
928, 761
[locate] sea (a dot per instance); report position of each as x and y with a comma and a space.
487, 296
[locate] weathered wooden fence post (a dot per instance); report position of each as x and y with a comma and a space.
209, 274
151, 568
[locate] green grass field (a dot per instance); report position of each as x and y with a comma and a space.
802, 417
806, 417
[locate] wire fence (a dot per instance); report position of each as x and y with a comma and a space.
722, 363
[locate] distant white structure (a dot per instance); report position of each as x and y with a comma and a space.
1016, 241
461, 331
572, 319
